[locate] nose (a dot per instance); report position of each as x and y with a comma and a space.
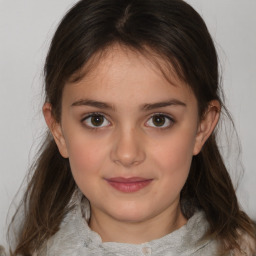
128, 148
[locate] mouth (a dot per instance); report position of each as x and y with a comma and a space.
128, 185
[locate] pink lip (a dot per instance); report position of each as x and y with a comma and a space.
129, 185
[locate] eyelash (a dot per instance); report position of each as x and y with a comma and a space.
97, 114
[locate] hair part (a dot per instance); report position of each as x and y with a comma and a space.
171, 30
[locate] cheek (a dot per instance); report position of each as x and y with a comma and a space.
173, 155
173, 160
86, 157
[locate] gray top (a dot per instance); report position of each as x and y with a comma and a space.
76, 238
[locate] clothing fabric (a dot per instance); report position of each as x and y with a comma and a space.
76, 238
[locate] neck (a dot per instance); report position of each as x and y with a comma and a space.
112, 230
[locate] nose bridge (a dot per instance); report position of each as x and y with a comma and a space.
128, 147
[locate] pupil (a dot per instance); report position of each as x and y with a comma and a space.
158, 120
97, 120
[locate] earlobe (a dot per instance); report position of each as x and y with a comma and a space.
207, 125
55, 129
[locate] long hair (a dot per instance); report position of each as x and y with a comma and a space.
174, 31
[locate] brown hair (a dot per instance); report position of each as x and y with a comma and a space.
176, 32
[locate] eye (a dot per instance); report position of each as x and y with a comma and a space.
96, 121
160, 121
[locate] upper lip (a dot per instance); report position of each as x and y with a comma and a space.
127, 180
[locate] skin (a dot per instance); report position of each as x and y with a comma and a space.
130, 144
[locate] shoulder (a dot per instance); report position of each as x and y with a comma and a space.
65, 241
2, 251
211, 245
69, 239
247, 245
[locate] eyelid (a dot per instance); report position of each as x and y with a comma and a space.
87, 115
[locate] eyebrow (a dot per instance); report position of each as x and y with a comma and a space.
145, 107
92, 103
172, 102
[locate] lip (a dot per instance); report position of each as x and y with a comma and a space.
129, 185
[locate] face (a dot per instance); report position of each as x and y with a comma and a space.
130, 136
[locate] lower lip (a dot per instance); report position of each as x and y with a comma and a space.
129, 187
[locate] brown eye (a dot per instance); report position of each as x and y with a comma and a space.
96, 121
160, 121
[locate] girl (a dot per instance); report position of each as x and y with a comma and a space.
131, 165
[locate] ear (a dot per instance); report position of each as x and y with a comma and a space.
55, 128
207, 125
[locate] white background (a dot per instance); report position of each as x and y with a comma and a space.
26, 28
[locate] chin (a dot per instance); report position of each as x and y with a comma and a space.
130, 214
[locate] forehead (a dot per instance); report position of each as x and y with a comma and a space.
125, 73
145, 55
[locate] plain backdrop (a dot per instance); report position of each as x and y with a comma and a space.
26, 28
